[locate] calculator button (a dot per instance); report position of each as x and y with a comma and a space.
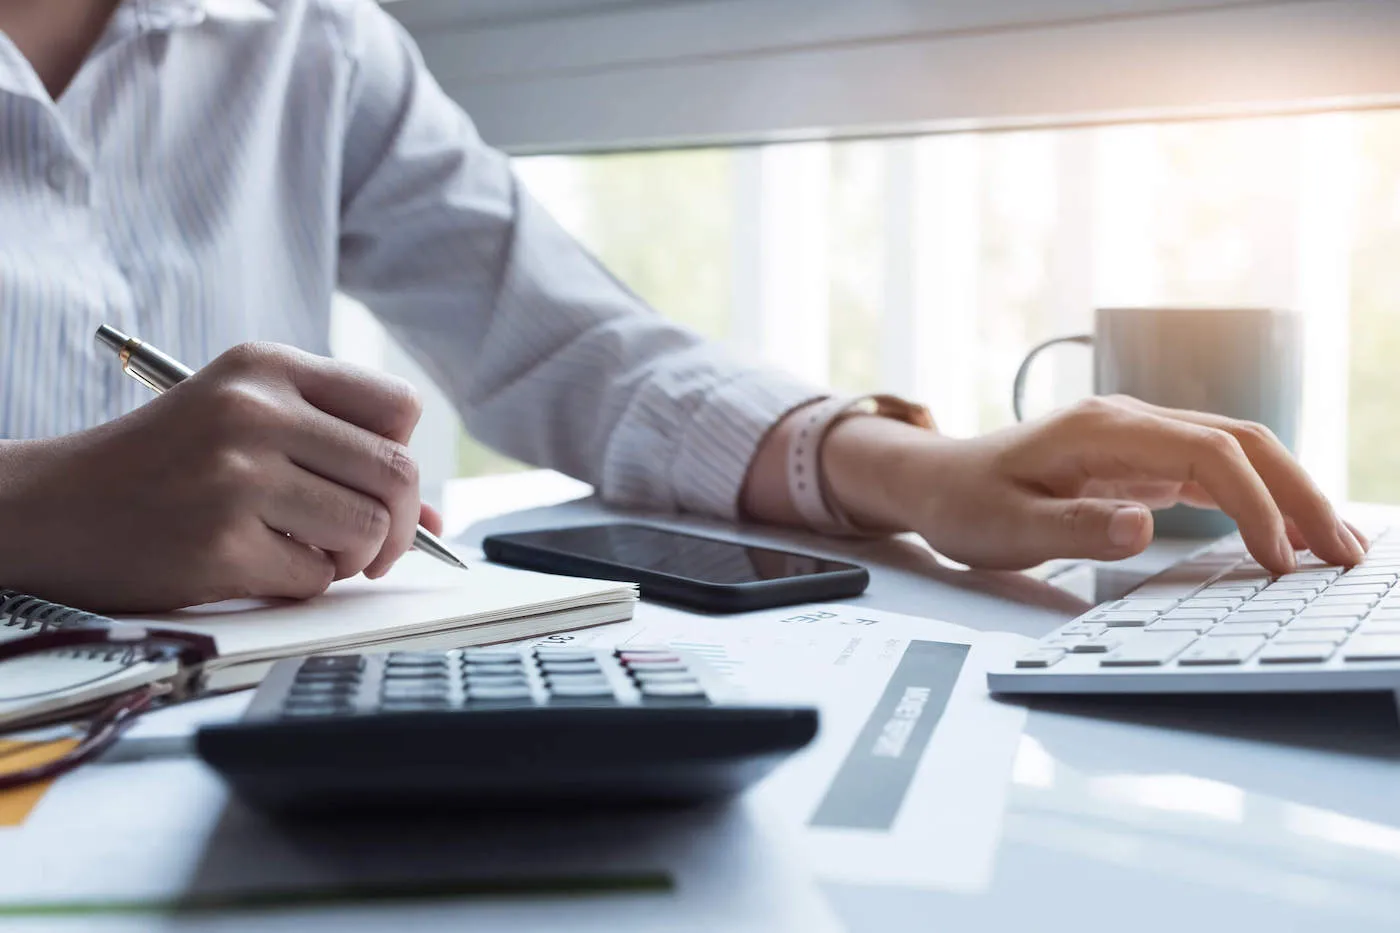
570, 667
663, 677
494, 670
1042, 657
491, 656
415, 673
565, 654
628, 657
323, 687
414, 705
638, 667
494, 692
581, 687
337, 663
676, 690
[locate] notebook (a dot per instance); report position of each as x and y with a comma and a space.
421, 604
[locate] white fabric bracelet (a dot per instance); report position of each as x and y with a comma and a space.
805, 482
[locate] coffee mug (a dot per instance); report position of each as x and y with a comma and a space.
1244, 363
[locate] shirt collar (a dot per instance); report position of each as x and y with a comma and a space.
170, 14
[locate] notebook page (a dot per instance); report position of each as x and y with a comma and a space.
419, 596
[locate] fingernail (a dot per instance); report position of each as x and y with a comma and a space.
1125, 526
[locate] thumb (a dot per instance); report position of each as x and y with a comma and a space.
1099, 529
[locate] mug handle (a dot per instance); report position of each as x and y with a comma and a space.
1018, 387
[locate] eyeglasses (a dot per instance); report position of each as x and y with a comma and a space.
106, 719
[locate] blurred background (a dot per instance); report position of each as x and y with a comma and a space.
924, 250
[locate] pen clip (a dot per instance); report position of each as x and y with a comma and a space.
136, 372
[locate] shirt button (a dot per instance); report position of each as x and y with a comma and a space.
60, 176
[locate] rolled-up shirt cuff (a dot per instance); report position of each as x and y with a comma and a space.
690, 451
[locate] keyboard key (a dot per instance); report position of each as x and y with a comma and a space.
1289, 607
1378, 627
1291, 652
1328, 601
1295, 586
1236, 626
1084, 628
1275, 616
1148, 650
1384, 615
1041, 657
1270, 597
1223, 650
1208, 615
1322, 625
1326, 576
1181, 625
1359, 589
1288, 636
1372, 648
1211, 603
1098, 645
1131, 603
1229, 592
1124, 619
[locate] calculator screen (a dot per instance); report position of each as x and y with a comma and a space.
680, 555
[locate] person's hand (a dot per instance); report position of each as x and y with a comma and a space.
271, 472
1080, 482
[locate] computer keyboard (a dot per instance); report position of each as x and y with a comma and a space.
1219, 622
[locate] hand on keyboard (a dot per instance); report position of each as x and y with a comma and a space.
1079, 483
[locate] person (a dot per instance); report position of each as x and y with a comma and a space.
206, 173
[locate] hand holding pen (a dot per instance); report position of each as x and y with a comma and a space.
271, 472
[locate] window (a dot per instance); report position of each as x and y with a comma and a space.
928, 265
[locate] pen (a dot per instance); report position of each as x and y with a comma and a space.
158, 372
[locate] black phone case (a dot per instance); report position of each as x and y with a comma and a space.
663, 587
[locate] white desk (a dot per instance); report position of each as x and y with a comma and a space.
1142, 815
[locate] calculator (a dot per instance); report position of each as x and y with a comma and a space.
497, 727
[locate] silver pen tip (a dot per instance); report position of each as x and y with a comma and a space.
111, 337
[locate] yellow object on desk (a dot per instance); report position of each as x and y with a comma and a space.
15, 754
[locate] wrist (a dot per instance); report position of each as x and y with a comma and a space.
883, 473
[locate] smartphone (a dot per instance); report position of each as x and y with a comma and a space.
690, 570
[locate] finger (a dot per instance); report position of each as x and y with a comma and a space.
429, 518
291, 570
1356, 533
1290, 485
1097, 529
355, 458
379, 403
349, 526
1144, 444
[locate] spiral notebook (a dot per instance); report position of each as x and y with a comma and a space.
420, 605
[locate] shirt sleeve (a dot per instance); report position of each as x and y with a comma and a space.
546, 355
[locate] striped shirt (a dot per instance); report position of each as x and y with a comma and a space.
219, 168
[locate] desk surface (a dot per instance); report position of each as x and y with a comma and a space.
1150, 815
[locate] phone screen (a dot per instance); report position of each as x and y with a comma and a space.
679, 555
